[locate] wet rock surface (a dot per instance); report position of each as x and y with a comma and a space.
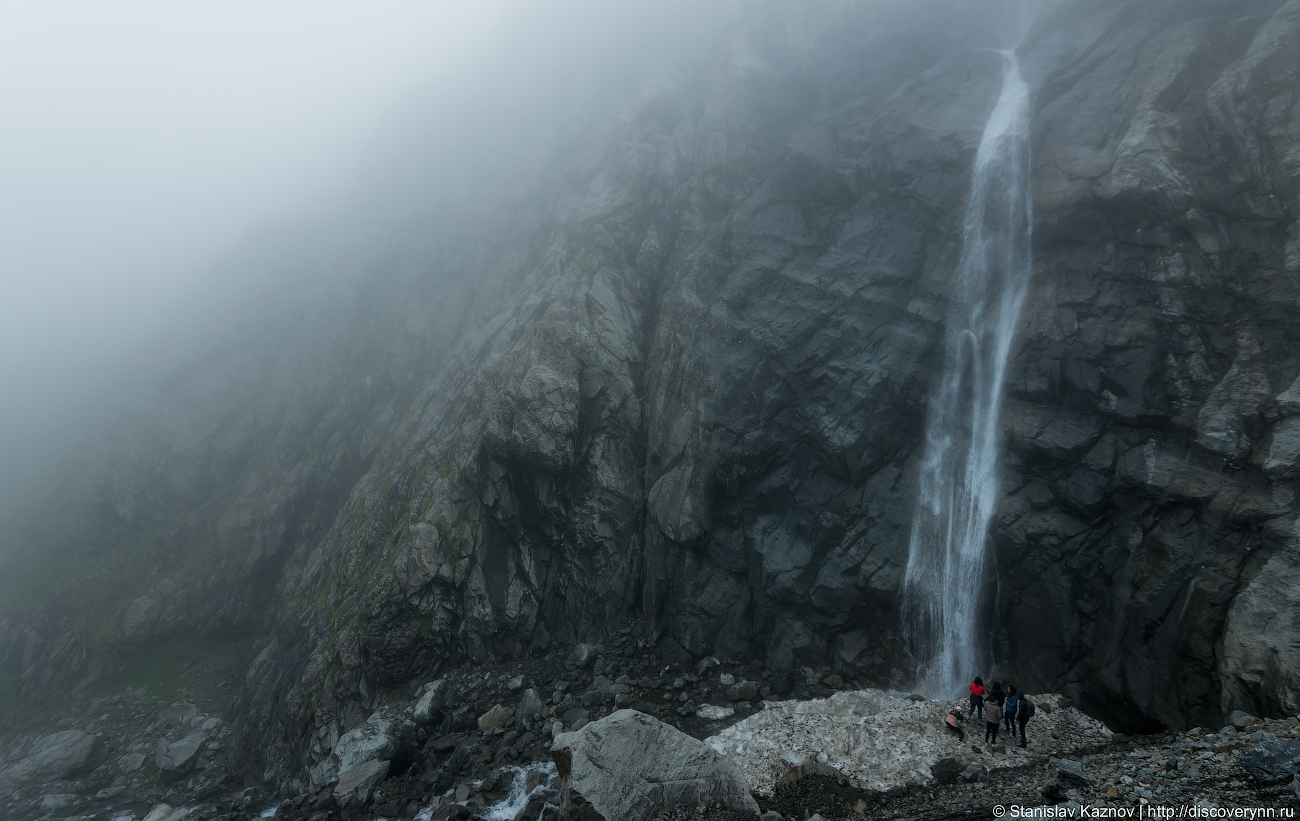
456, 771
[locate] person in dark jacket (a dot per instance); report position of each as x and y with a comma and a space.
1024, 712
977, 698
1009, 712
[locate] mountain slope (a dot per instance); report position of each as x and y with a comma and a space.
684, 380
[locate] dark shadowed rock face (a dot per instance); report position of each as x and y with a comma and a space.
685, 380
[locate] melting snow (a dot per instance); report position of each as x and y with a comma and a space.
879, 741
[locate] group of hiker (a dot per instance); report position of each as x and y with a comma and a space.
1002, 709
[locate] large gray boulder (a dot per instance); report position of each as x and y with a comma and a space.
55, 757
177, 715
428, 707
494, 718
530, 706
57, 802
1271, 760
376, 740
166, 812
177, 758
361, 757
583, 655
630, 766
356, 784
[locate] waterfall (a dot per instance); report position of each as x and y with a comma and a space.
948, 572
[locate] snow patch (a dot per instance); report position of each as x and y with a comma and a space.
879, 741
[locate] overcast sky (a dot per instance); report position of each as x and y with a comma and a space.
141, 140
142, 135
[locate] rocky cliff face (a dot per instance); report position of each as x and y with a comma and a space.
685, 382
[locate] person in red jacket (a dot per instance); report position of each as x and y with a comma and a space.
977, 697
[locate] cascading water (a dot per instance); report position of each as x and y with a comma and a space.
947, 569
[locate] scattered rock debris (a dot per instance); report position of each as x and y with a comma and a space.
437, 763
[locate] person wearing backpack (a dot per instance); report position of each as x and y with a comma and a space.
977, 698
1024, 712
1009, 712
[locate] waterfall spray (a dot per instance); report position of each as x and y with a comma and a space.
947, 567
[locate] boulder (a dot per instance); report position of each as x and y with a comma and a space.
176, 759
428, 707
57, 756
631, 766
946, 770
376, 740
973, 772
494, 718
743, 691
131, 762
710, 712
177, 715
1241, 719
160, 812
356, 784
166, 812
55, 802
530, 706
140, 616
783, 683
1271, 760
583, 655
575, 718
1071, 773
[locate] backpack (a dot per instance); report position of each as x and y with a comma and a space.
1026, 708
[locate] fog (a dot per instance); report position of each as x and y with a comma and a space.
142, 137
145, 139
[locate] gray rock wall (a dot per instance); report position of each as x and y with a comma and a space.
684, 380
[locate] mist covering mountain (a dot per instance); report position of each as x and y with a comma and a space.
638, 326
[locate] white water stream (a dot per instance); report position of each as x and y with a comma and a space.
948, 575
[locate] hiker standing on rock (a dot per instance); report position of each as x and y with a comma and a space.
1024, 712
992, 717
977, 697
